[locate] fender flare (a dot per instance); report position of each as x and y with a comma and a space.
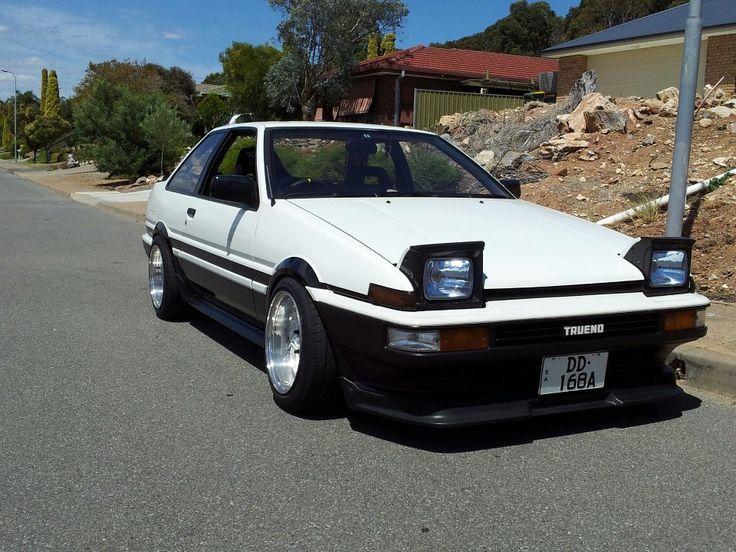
297, 268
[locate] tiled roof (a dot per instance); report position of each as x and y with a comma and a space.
716, 13
466, 64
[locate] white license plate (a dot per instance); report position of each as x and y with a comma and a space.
578, 372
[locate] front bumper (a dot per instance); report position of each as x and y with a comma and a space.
499, 383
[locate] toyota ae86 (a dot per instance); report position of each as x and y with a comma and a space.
385, 266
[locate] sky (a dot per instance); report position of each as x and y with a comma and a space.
66, 35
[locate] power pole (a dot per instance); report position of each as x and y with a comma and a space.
15, 115
685, 112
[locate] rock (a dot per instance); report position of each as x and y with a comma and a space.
141, 181
658, 166
636, 172
652, 106
730, 103
581, 197
669, 109
563, 172
722, 161
465, 141
705, 123
668, 94
588, 155
649, 140
71, 162
575, 121
512, 159
722, 111
151, 180
446, 136
732, 128
596, 120
485, 159
528, 106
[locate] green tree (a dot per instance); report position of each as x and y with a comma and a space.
44, 132
212, 111
52, 106
166, 131
388, 44
245, 67
322, 39
595, 15
373, 46
142, 78
214, 78
527, 30
7, 141
44, 87
109, 120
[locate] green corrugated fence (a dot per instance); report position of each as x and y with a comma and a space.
430, 105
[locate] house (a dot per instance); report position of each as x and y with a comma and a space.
643, 56
217, 89
379, 84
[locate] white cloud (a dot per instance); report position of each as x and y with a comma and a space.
171, 36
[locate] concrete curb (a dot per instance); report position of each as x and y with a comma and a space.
706, 369
120, 211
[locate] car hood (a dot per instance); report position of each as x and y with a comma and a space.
525, 245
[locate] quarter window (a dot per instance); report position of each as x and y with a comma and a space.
187, 176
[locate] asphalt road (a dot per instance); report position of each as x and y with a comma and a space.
122, 432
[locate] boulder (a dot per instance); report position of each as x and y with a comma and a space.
588, 155
559, 147
649, 140
722, 111
575, 121
485, 159
705, 123
528, 106
599, 119
722, 162
658, 166
668, 94
141, 181
669, 109
651, 106
512, 159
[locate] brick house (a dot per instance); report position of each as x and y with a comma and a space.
373, 95
643, 56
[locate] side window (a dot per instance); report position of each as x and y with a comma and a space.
237, 158
187, 176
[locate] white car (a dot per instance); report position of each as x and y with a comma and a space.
385, 265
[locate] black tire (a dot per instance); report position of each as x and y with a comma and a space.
315, 388
172, 306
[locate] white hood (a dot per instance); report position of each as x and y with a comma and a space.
525, 245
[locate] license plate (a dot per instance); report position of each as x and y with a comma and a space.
578, 372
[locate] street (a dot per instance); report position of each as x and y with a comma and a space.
123, 432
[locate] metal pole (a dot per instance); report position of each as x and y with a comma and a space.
15, 115
686, 108
397, 98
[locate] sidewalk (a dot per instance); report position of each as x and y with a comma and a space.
86, 185
709, 363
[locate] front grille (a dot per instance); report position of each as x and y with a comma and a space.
547, 331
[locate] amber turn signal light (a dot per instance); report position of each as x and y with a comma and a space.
682, 320
464, 339
391, 297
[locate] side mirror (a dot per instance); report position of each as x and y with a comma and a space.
512, 185
236, 188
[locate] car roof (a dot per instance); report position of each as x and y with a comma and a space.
312, 124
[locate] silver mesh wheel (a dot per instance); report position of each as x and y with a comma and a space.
156, 276
283, 341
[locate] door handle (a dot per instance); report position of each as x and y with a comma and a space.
191, 212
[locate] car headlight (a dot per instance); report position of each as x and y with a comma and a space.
448, 279
664, 262
669, 268
446, 275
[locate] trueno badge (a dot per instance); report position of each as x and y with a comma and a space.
584, 330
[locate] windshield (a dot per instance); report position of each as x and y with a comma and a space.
331, 162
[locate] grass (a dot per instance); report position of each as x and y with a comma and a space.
6, 155
648, 211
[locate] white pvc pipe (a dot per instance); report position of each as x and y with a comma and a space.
662, 201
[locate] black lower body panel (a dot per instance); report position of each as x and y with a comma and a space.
496, 384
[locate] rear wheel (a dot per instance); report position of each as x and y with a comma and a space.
301, 368
165, 297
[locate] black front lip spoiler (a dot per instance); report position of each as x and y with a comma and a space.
411, 411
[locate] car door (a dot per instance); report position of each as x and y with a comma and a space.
219, 255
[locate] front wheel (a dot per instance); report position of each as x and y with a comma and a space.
301, 368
